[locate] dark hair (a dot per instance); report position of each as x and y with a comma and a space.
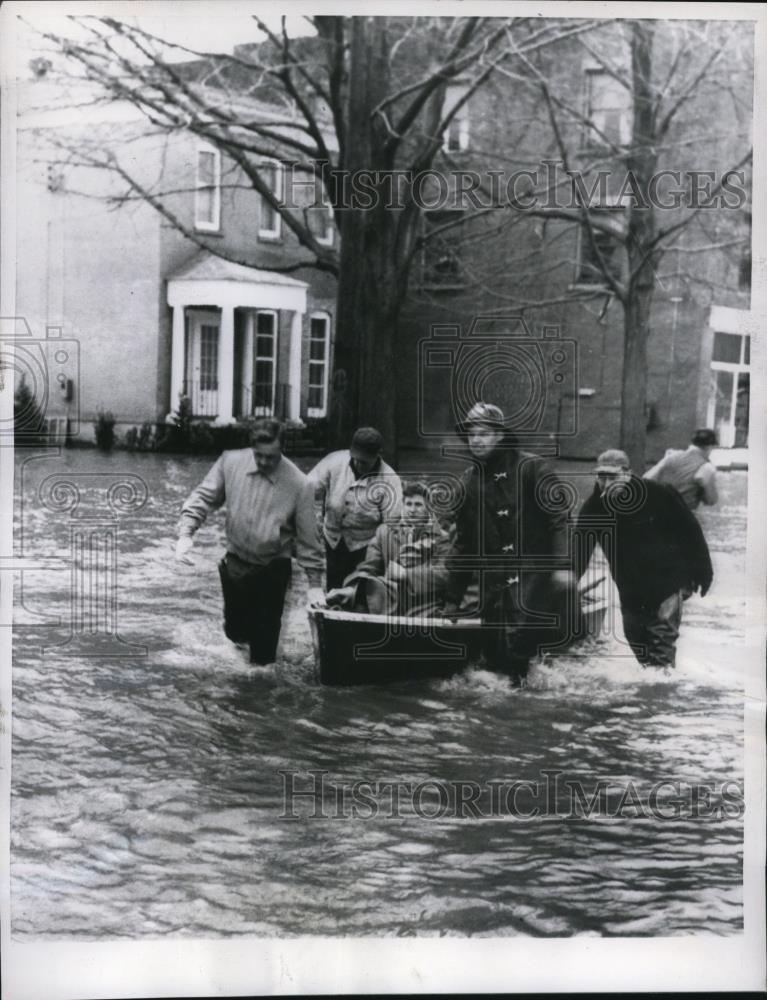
368, 439
705, 438
265, 430
416, 489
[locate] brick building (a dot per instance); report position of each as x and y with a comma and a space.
156, 314
543, 269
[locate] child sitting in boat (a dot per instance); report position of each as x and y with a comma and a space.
403, 572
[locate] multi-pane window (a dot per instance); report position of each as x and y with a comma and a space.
264, 364
730, 388
319, 348
269, 219
207, 205
456, 137
208, 358
597, 251
320, 219
607, 109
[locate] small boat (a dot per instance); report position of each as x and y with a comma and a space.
353, 648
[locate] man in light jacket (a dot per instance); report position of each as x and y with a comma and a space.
269, 505
690, 472
358, 491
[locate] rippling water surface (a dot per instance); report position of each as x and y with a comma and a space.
147, 794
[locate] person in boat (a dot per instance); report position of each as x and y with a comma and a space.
358, 492
690, 472
269, 506
504, 518
404, 570
657, 554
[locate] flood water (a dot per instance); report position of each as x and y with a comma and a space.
147, 794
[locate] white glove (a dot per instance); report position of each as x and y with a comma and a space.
183, 547
315, 596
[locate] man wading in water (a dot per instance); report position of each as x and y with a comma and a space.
269, 504
504, 514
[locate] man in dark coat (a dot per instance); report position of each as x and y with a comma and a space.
512, 526
657, 554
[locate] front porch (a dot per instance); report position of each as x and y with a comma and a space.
236, 340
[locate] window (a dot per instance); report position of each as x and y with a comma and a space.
604, 245
208, 358
270, 220
456, 137
607, 109
207, 203
321, 224
730, 388
264, 364
319, 349
731, 348
443, 234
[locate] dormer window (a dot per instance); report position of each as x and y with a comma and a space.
207, 202
607, 109
269, 219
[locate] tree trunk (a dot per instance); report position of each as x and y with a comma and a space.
641, 162
369, 292
634, 401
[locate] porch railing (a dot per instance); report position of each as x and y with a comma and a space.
260, 401
204, 399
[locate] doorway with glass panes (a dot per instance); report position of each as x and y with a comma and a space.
256, 386
730, 389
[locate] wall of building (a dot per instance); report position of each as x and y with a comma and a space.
90, 269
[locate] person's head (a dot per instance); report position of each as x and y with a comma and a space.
484, 429
705, 439
365, 450
266, 441
612, 467
415, 502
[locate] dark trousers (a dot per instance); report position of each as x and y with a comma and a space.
652, 632
513, 632
340, 562
254, 597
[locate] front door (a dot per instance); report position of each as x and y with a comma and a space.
202, 362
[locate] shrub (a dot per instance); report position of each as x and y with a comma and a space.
104, 426
131, 439
28, 417
146, 437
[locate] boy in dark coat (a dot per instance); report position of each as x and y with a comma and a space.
512, 527
657, 554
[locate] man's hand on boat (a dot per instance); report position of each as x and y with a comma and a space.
450, 610
315, 597
184, 546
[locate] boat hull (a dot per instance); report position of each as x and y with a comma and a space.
379, 649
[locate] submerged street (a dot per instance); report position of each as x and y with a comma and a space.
147, 795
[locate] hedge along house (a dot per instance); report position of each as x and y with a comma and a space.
157, 310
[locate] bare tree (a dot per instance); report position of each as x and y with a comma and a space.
361, 101
651, 168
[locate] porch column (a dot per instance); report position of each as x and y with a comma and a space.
294, 369
226, 367
177, 358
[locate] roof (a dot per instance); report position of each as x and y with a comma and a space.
207, 267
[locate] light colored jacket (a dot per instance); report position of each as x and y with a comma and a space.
690, 473
353, 508
264, 513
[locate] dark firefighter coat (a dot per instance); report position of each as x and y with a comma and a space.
653, 543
